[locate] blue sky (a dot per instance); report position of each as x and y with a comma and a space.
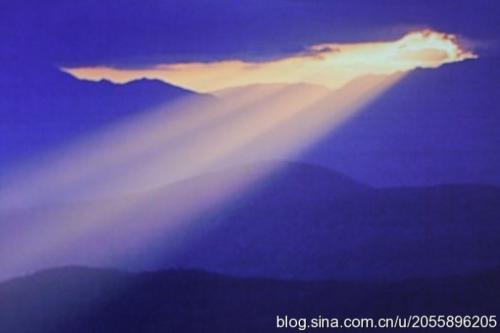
136, 33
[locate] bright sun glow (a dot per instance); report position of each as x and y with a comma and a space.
331, 65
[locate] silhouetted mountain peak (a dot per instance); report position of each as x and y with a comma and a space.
44, 107
273, 181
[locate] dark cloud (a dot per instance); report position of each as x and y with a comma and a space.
136, 33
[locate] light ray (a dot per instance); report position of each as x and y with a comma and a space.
104, 199
188, 143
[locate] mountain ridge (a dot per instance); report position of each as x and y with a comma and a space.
44, 107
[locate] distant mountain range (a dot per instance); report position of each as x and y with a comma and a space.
75, 299
309, 222
303, 222
435, 126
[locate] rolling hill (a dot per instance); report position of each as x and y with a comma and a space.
302, 222
76, 299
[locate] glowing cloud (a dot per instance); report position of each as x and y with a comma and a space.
331, 65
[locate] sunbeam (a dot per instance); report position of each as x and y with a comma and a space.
118, 191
